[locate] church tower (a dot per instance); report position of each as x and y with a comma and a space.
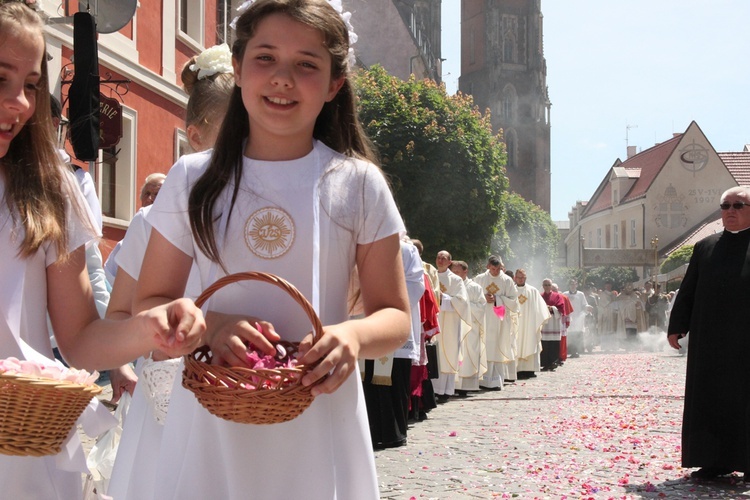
503, 68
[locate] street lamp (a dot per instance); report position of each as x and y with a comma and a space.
655, 246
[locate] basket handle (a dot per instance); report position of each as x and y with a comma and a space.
270, 279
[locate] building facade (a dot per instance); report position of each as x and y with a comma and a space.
140, 66
503, 68
654, 200
401, 35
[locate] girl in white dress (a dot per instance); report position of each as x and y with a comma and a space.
289, 189
208, 79
44, 227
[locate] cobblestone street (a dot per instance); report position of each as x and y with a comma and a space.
605, 425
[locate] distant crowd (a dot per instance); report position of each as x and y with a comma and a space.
482, 333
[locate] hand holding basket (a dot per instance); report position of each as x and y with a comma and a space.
250, 395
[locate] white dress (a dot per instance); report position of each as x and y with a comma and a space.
23, 322
134, 471
301, 220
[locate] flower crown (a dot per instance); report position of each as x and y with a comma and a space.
337, 6
216, 59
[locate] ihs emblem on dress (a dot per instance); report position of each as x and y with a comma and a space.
522, 299
269, 232
492, 288
443, 288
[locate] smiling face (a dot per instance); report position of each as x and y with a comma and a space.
285, 76
21, 51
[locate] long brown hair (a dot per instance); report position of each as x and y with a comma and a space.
208, 96
36, 190
337, 125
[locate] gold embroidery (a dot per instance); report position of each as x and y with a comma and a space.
443, 288
522, 299
492, 288
269, 232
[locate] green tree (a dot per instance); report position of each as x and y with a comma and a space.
617, 275
445, 165
677, 258
526, 237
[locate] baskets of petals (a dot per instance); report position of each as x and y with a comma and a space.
40, 404
270, 391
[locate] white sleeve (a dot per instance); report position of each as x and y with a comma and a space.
97, 278
88, 189
169, 213
130, 256
380, 216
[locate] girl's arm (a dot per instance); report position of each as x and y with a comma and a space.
384, 329
99, 344
164, 274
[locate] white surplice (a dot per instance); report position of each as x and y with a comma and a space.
533, 313
501, 335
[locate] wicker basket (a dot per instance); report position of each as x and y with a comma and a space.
36, 415
219, 388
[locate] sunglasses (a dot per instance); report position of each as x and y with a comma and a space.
737, 205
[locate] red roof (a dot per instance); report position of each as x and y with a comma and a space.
644, 167
738, 165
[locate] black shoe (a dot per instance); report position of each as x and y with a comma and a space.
462, 394
441, 398
710, 473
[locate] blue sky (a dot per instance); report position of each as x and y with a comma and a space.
653, 65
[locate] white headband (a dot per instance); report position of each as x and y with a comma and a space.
337, 6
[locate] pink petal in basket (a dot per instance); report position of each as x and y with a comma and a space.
499, 311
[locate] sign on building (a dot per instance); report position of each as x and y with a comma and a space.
594, 257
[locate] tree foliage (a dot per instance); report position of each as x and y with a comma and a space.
445, 165
526, 237
677, 258
617, 275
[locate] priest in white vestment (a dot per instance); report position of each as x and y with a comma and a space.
607, 318
630, 315
533, 313
577, 318
473, 361
500, 335
454, 312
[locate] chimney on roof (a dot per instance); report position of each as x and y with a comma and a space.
631, 151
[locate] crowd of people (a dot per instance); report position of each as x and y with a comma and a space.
494, 329
421, 333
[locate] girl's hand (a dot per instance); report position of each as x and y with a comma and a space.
229, 336
177, 327
338, 350
122, 379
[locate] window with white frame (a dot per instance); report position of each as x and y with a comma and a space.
615, 236
181, 144
190, 22
226, 11
632, 233
115, 173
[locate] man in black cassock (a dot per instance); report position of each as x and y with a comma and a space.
712, 304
